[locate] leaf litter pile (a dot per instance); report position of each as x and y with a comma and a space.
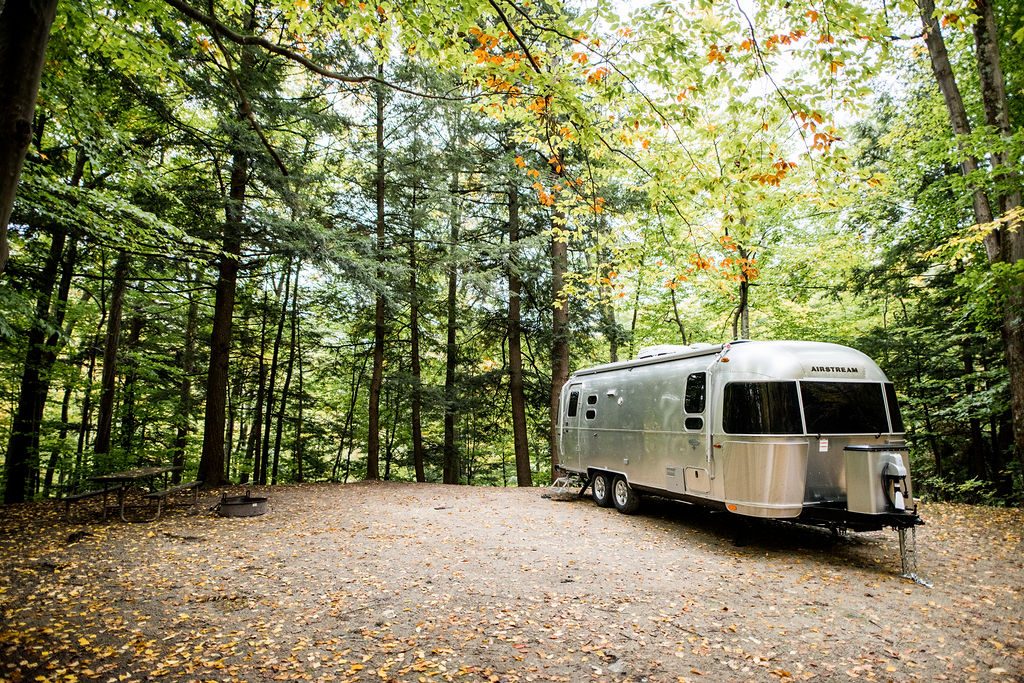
407, 582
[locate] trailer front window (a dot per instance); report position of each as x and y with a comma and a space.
761, 408
844, 408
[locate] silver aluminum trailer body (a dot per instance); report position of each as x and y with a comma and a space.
774, 429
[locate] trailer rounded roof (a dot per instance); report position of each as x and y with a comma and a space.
801, 360
769, 359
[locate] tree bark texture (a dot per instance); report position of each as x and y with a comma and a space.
1004, 242
21, 449
284, 290
287, 378
559, 330
211, 464
450, 469
24, 34
524, 475
416, 400
188, 363
253, 445
299, 446
380, 312
108, 380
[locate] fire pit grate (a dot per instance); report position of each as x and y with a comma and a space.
242, 506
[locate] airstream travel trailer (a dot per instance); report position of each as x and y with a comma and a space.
794, 430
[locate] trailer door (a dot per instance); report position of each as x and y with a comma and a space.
570, 415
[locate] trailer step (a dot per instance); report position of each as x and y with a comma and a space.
566, 485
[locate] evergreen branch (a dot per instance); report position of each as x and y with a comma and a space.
246, 105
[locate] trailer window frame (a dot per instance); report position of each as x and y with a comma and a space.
892, 409
574, 403
689, 400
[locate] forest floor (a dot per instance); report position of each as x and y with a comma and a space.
406, 582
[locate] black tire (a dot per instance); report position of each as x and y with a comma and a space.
624, 497
601, 488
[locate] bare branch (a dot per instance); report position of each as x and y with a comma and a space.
240, 39
515, 34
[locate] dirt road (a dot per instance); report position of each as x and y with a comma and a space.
379, 582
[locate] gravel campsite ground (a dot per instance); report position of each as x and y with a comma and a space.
406, 582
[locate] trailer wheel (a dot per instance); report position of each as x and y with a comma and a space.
625, 498
602, 489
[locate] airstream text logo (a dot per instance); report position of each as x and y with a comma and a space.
834, 368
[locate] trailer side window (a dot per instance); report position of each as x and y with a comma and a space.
574, 401
761, 408
591, 414
592, 399
695, 385
894, 409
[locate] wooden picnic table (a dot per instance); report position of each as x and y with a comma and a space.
127, 478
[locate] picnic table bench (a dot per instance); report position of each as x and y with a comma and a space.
85, 495
161, 496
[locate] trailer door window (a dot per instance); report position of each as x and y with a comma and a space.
574, 402
695, 384
761, 408
895, 418
844, 408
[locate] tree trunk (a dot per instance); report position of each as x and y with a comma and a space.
211, 463
678, 318
391, 403
1004, 243
253, 449
416, 399
298, 449
515, 345
347, 432
65, 411
741, 318
284, 291
287, 379
976, 455
24, 33
23, 448
450, 470
187, 364
91, 354
128, 419
108, 380
943, 72
1008, 199
377, 377
559, 331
